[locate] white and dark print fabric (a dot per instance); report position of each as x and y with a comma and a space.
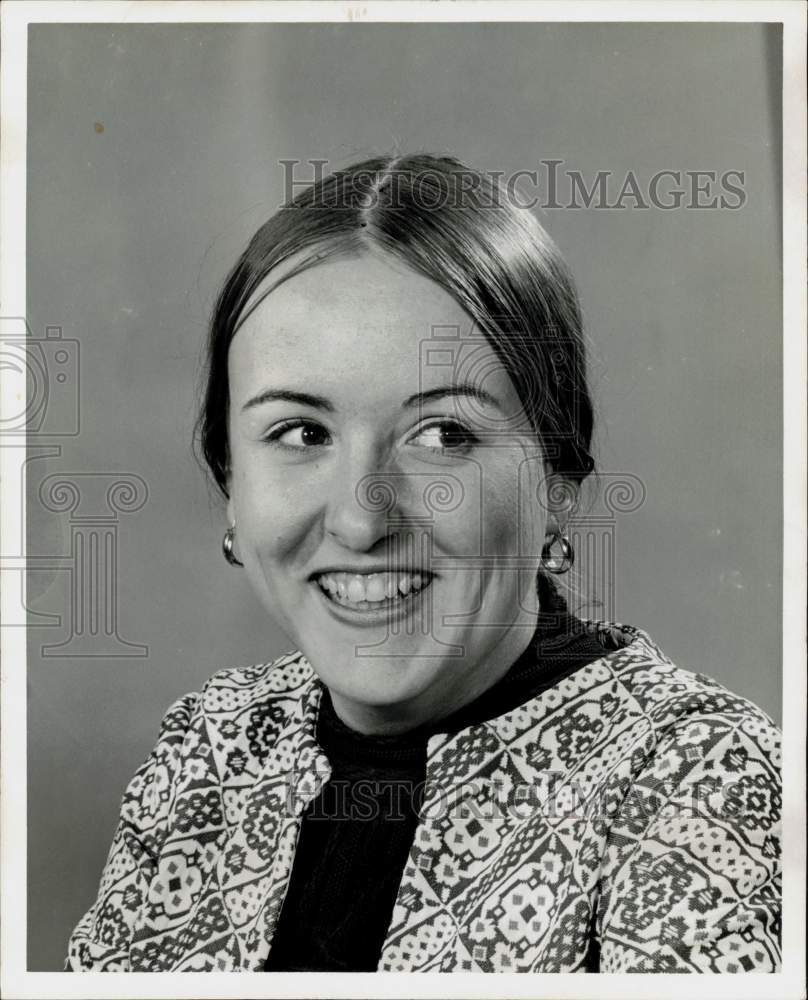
632, 810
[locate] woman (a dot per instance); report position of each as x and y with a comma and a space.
452, 773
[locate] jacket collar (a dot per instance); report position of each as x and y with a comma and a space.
292, 777
244, 889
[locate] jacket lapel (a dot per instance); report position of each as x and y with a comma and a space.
254, 868
493, 860
232, 895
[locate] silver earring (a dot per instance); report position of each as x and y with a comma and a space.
227, 546
551, 563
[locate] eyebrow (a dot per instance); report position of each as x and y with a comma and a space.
289, 396
418, 399
463, 389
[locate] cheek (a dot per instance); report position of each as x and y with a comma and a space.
513, 515
273, 521
501, 513
500, 519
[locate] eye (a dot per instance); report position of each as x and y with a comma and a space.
445, 435
298, 435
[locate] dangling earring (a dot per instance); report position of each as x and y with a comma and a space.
227, 546
553, 565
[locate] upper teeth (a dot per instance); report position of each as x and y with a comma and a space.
356, 587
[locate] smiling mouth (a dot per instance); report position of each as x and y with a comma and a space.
373, 590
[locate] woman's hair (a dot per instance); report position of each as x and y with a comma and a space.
456, 226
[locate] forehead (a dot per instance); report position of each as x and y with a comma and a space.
358, 325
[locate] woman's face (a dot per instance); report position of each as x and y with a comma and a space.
388, 493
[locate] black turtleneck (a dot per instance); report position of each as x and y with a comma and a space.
356, 835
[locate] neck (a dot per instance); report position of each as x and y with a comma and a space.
451, 691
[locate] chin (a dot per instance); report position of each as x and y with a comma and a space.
373, 680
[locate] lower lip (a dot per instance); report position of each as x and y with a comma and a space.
386, 614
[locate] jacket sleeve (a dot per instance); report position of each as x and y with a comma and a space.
101, 939
692, 874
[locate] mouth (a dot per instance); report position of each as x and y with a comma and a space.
373, 592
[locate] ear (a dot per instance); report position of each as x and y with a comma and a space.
228, 491
562, 499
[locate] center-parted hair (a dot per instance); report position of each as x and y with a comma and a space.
456, 226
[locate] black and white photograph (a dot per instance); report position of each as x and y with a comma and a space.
403, 535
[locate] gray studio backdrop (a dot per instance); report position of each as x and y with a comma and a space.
153, 154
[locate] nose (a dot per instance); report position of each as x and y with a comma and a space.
361, 499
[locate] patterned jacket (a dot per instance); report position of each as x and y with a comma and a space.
633, 807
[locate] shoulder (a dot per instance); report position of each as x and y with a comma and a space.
690, 876
689, 718
221, 733
664, 691
234, 688
237, 707
239, 718
284, 678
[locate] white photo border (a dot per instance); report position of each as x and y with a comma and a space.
16, 981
